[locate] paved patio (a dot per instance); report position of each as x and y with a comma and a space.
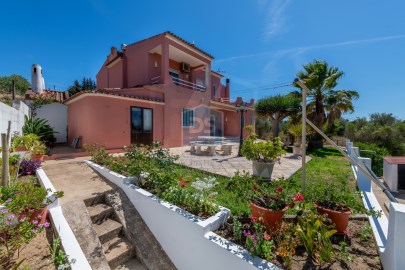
228, 165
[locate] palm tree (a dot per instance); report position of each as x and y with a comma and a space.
338, 103
321, 79
276, 108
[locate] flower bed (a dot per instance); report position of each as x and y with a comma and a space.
355, 250
154, 170
151, 168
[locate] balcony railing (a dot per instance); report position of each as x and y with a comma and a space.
188, 84
155, 80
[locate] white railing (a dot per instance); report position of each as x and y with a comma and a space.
188, 84
388, 231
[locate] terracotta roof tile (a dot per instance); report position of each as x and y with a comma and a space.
109, 94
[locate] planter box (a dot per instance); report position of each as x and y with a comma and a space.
188, 240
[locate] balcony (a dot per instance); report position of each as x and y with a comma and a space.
179, 82
187, 84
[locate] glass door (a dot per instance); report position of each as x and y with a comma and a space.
141, 125
212, 125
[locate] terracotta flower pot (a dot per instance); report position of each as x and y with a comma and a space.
20, 149
37, 157
271, 219
339, 218
34, 214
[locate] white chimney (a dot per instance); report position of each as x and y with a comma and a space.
37, 81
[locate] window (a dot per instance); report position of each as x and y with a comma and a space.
200, 84
188, 117
214, 90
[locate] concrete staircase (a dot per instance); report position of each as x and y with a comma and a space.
117, 249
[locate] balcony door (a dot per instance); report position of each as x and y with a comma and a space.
141, 125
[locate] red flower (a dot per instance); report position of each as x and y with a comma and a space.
183, 183
253, 219
267, 237
279, 189
298, 197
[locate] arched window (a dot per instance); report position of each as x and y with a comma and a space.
35, 70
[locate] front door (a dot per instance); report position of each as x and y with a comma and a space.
141, 126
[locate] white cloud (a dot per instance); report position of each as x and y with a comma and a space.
275, 17
300, 50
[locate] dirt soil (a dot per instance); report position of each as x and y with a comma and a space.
363, 253
37, 254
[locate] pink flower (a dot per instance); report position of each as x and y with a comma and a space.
246, 233
35, 222
46, 224
345, 232
11, 217
279, 189
34, 230
9, 200
298, 197
267, 237
4, 210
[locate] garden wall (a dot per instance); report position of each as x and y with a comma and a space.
14, 114
387, 232
186, 239
56, 114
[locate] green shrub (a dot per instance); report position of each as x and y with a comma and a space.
376, 154
39, 127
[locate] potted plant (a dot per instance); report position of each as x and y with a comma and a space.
264, 154
23, 209
296, 131
335, 200
23, 143
37, 151
269, 202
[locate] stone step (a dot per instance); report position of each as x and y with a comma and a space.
117, 251
107, 230
132, 264
94, 200
99, 212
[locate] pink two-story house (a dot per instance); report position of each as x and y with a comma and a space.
158, 89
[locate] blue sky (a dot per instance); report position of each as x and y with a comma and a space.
256, 43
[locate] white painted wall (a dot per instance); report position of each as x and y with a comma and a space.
56, 114
388, 233
391, 175
188, 241
14, 114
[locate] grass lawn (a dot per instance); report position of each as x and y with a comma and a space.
327, 164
